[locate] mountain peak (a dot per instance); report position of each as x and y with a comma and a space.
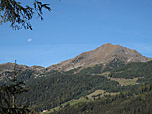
101, 55
108, 44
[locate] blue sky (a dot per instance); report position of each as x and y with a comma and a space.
75, 26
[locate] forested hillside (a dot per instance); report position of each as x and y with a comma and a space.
48, 90
56, 88
143, 71
136, 101
53, 90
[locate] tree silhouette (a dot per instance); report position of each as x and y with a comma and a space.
8, 93
20, 15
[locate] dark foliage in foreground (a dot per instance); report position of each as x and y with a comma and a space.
18, 14
7, 106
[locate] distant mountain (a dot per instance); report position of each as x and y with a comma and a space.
10, 67
107, 56
7, 70
104, 55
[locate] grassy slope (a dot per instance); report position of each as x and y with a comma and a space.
125, 82
121, 81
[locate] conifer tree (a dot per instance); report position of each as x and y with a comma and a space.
8, 93
19, 15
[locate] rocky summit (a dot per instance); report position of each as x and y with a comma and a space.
101, 55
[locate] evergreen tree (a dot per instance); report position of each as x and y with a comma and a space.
8, 93
19, 15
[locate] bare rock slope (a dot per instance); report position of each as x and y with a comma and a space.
101, 55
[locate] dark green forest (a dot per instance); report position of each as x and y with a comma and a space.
135, 101
141, 70
51, 89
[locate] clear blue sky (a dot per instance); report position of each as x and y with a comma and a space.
75, 26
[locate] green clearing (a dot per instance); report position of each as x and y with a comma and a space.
121, 81
99, 93
125, 82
